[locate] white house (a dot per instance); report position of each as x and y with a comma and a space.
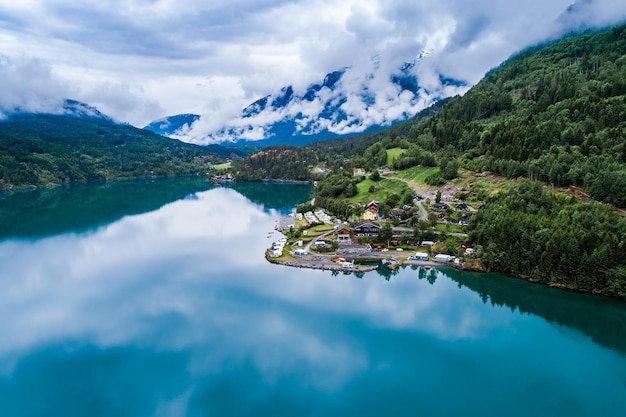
420, 256
276, 253
300, 252
442, 258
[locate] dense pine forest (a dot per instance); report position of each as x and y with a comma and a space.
555, 113
532, 232
43, 150
278, 163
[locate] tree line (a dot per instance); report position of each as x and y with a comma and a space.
39, 150
530, 231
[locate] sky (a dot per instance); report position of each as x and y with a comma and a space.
141, 60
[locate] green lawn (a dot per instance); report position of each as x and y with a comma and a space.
384, 187
450, 228
225, 165
417, 174
392, 154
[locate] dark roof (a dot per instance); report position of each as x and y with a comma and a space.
365, 224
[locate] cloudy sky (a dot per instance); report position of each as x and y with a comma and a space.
139, 60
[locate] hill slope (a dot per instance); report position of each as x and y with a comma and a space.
555, 113
40, 150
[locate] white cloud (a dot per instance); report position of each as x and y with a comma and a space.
29, 85
140, 60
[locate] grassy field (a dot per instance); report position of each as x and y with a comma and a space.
450, 228
392, 154
384, 187
417, 174
224, 166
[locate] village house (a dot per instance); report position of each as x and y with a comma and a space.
358, 172
370, 215
366, 229
373, 205
419, 256
343, 235
443, 259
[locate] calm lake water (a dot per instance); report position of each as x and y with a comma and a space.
153, 298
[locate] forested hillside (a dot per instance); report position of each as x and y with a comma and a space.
277, 162
555, 113
532, 232
40, 150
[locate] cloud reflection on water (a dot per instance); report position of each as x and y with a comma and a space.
196, 267
191, 279
185, 293
191, 259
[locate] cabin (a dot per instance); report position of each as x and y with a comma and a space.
464, 220
440, 206
343, 235
366, 229
443, 259
463, 207
276, 253
300, 252
373, 205
358, 172
420, 256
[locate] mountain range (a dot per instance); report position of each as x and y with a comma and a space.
345, 103
79, 143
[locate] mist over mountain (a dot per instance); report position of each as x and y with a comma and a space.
347, 102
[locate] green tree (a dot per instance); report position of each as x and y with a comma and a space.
386, 234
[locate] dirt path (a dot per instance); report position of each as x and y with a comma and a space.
421, 192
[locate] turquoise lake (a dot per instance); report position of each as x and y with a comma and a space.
153, 298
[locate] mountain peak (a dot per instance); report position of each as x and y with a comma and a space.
79, 109
345, 103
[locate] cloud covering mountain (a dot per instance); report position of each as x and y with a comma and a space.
347, 101
139, 60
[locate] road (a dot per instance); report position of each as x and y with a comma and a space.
421, 192
315, 239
